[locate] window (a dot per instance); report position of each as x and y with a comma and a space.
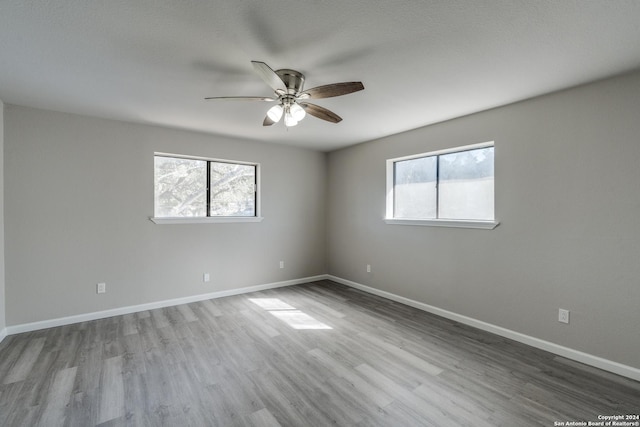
445, 188
189, 189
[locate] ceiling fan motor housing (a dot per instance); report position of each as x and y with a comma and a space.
293, 80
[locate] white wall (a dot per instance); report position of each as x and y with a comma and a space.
78, 195
2, 298
567, 175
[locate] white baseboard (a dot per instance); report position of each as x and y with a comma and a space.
569, 353
44, 324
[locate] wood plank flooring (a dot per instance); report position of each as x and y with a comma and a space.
319, 354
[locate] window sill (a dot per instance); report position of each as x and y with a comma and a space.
207, 220
485, 225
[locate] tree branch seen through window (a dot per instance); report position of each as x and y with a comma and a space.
187, 187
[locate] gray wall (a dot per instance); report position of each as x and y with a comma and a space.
2, 302
567, 176
78, 195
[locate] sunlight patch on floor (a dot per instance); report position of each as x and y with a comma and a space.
293, 317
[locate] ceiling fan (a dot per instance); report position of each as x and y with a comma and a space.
291, 96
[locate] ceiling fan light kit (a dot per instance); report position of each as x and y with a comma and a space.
297, 112
275, 113
288, 86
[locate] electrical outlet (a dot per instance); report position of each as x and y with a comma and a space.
206, 277
563, 315
368, 268
101, 288
281, 264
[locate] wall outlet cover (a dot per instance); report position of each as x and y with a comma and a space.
563, 315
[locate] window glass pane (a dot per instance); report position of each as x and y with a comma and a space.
180, 187
466, 185
232, 189
415, 188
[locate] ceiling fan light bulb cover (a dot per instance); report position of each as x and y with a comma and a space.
289, 120
297, 112
275, 113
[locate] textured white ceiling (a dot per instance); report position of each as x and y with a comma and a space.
421, 62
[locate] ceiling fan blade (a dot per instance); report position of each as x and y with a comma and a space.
240, 98
335, 89
269, 76
267, 121
320, 112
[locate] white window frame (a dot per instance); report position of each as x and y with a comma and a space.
212, 219
389, 219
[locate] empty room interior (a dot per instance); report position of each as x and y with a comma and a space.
310, 213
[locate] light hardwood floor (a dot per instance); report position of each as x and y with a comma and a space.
309, 355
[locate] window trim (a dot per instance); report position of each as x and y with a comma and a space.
454, 223
212, 219
432, 222
204, 220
